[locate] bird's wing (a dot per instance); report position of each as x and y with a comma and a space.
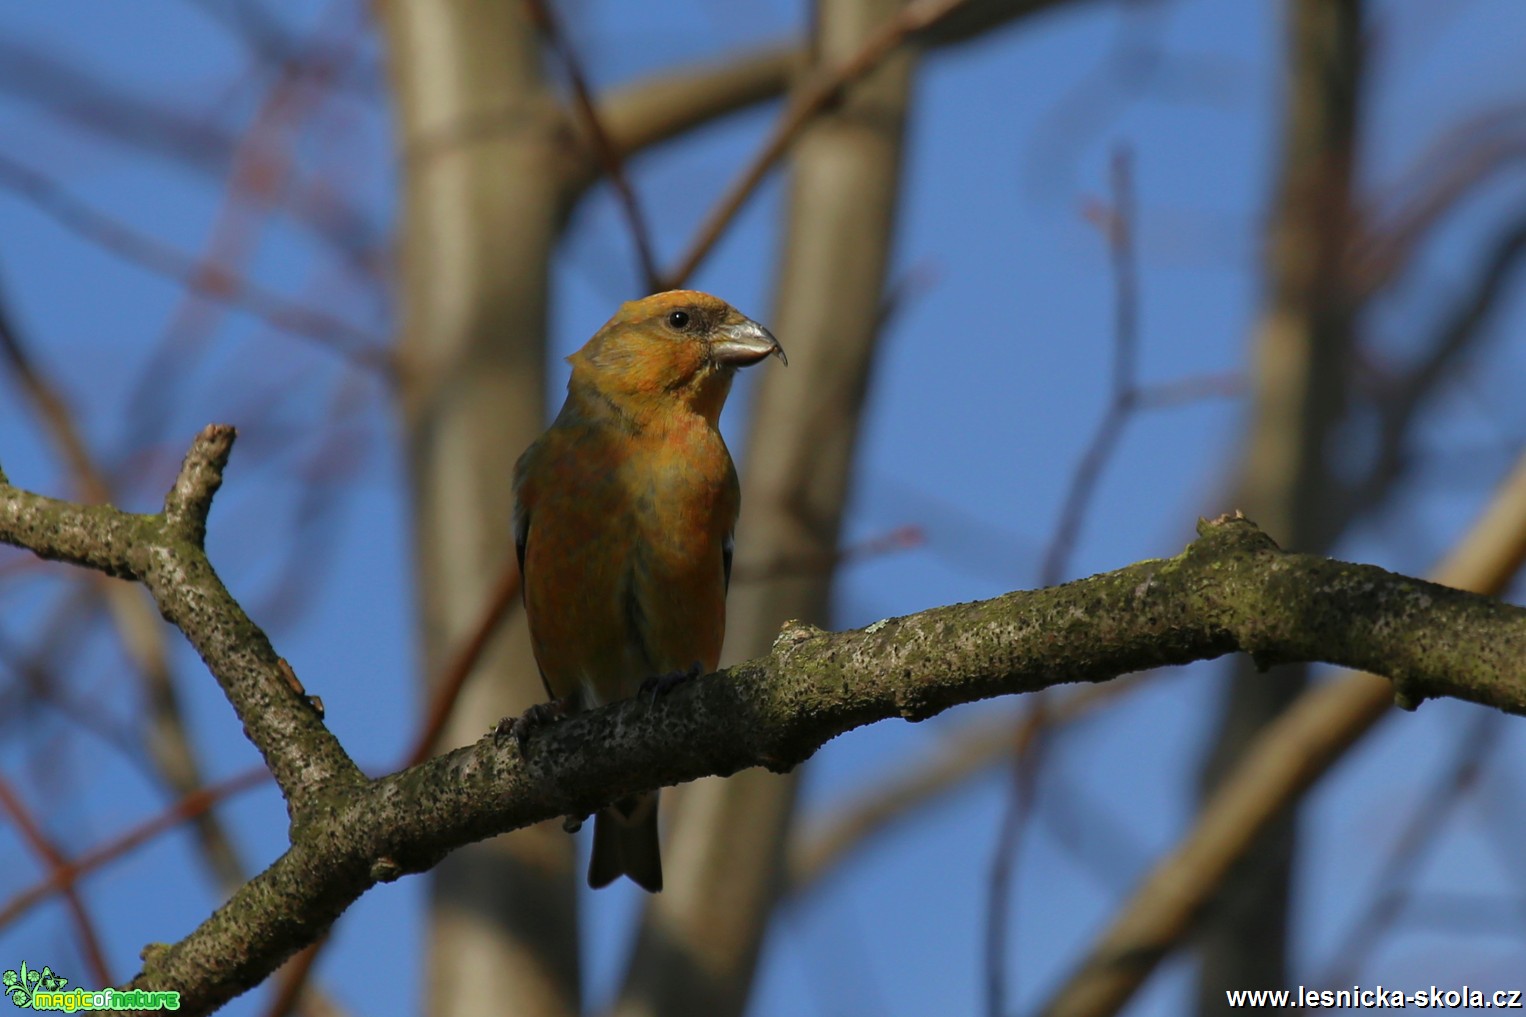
521, 539
521, 535
728, 548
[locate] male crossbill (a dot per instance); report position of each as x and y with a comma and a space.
623, 518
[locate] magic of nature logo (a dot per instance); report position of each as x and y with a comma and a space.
41, 989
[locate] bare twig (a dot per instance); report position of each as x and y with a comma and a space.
447, 688
162, 553
817, 852
1455, 165
1026, 765
1232, 589
140, 633
141, 249
1457, 334
1118, 228
63, 877
263, 161
1193, 389
293, 978
57, 862
1281, 763
813, 97
1117, 225
652, 110
1427, 822
606, 150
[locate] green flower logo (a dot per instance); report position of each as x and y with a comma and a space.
21, 986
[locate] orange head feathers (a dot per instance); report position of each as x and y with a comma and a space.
681, 345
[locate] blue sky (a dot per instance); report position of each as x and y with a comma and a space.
988, 388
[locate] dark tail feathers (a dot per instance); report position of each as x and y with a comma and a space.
625, 844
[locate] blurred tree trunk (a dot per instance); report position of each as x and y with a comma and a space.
482, 139
1301, 370
699, 942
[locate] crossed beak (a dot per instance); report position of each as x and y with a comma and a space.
745, 342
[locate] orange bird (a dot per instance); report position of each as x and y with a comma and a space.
623, 519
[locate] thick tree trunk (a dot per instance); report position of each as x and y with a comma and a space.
483, 147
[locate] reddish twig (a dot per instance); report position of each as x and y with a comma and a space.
63, 877
263, 161
448, 688
1014, 822
815, 96
141, 637
293, 977
1454, 167
155, 256
39, 684
57, 861
54, 410
604, 147
1117, 224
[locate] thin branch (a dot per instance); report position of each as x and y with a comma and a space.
64, 877
324, 329
1026, 766
647, 112
447, 688
54, 411
814, 96
1118, 223
606, 150
1167, 395
1278, 766
819, 851
141, 635
57, 862
293, 978
263, 165
1428, 821
278, 48
39, 677
1232, 589
1456, 335
75, 94
902, 538
165, 554
1456, 165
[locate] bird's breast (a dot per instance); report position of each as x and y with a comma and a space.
625, 577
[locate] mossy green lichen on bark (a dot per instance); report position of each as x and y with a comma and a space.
1231, 589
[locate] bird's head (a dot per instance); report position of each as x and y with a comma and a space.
681, 346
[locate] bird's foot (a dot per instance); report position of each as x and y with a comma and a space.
660, 685
536, 717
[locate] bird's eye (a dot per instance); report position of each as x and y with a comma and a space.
679, 319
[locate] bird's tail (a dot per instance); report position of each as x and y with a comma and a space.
625, 844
